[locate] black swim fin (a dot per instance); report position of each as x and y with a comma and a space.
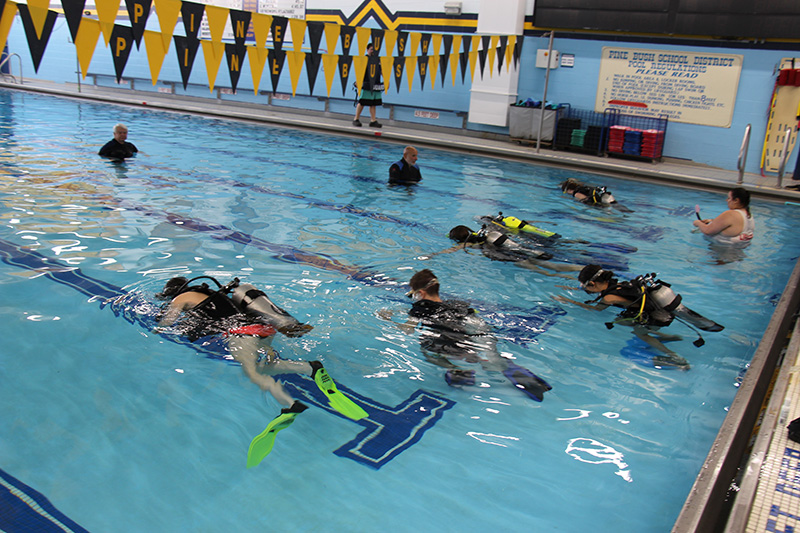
697, 320
527, 381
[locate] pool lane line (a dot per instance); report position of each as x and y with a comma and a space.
23, 508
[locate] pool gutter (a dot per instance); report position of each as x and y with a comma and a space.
706, 508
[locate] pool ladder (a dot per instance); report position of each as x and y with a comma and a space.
7, 60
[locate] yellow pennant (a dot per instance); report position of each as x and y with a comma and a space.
454, 57
331, 38
364, 36
387, 64
6, 20
295, 59
261, 25
436, 39
156, 51
360, 64
414, 39
212, 52
298, 29
258, 58
330, 64
433, 69
473, 58
167, 11
389, 38
38, 10
86, 42
411, 69
107, 13
512, 43
217, 17
492, 53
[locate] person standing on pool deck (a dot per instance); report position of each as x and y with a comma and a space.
405, 171
733, 227
118, 147
206, 312
371, 90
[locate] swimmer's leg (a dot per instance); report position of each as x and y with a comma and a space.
539, 266
337, 400
262, 444
670, 359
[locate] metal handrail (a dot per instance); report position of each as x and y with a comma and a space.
742, 162
7, 59
784, 156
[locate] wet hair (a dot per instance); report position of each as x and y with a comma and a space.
460, 234
743, 195
594, 273
425, 280
120, 127
173, 288
570, 184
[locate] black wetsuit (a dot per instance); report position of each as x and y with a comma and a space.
497, 246
215, 315
403, 173
117, 150
594, 195
651, 315
453, 328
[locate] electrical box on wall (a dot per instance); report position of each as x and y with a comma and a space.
541, 59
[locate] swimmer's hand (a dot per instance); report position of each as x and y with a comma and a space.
563, 299
568, 287
386, 314
296, 330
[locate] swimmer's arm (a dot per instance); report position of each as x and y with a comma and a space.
718, 225
174, 310
596, 307
407, 326
455, 248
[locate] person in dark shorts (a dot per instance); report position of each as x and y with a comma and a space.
371, 90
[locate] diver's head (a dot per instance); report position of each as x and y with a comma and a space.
569, 185
739, 198
460, 234
594, 279
424, 281
173, 288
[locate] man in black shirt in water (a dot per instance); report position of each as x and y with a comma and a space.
405, 171
118, 147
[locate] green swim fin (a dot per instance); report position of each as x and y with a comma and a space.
337, 400
263, 443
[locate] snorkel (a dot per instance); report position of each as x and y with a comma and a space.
697, 211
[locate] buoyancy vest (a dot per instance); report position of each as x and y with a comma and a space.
652, 300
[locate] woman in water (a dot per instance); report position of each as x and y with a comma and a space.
733, 227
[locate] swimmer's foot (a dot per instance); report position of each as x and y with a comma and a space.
357, 123
263, 443
527, 381
336, 399
375, 124
296, 330
671, 361
457, 377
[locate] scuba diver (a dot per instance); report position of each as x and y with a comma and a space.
648, 304
591, 195
249, 320
498, 246
452, 329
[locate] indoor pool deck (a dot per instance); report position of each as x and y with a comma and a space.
769, 492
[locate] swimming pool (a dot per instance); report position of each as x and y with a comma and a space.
124, 430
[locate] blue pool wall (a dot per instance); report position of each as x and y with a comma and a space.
715, 146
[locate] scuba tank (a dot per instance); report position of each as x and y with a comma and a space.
254, 302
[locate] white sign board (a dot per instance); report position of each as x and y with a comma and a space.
691, 87
292, 9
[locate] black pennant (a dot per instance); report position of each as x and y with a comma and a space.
425, 43
501, 52
279, 33
138, 11
235, 56
276, 58
444, 59
312, 68
466, 45
315, 31
377, 40
192, 14
482, 60
346, 38
422, 67
517, 50
120, 44
399, 65
240, 20
73, 12
373, 73
402, 42
344, 71
186, 50
447, 41
36, 45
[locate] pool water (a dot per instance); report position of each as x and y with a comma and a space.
122, 429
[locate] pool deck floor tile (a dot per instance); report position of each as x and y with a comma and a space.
775, 504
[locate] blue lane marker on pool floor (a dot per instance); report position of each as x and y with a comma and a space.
23, 509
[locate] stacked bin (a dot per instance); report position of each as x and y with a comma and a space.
581, 131
636, 137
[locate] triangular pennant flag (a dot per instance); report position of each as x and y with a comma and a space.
387, 62
212, 53
315, 30
454, 59
374, 74
491, 52
425, 43
240, 23
167, 12
257, 56
444, 61
278, 35
364, 36
447, 40
377, 40
216, 17
312, 69
402, 43
36, 43
38, 11
501, 51
186, 51
464, 57
397, 71
276, 58
73, 12
332, 32
138, 12
422, 67
107, 13
295, 59
329, 64
512, 42
298, 27
436, 40
261, 26
414, 43
344, 71
235, 56
473, 58
482, 59
360, 66
121, 43
156, 52
433, 65
389, 40
86, 43
518, 51
346, 37
192, 15
7, 16
411, 64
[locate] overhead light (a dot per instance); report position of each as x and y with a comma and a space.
452, 8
